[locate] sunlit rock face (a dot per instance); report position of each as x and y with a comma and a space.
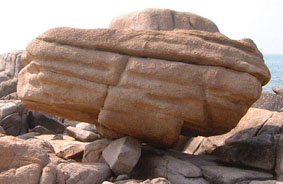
163, 19
149, 84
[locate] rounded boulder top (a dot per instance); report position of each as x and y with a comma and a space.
163, 19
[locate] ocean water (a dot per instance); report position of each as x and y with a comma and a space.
275, 65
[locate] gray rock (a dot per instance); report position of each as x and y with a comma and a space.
255, 122
265, 182
10, 65
84, 173
273, 125
13, 117
14, 124
156, 163
57, 137
228, 175
249, 126
42, 130
71, 123
2, 131
258, 152
269, 101
12, 96
82, 135
122, 177
29, 135
47, 121
278, 90
87, 126
8, 107
93, 151
279, 159
122, 155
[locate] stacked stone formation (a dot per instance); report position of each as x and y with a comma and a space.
149, 84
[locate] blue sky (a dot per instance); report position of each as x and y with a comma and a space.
260, 20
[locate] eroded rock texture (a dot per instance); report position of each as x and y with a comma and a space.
162, 19
148, 84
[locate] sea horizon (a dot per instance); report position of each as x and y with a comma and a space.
275, 64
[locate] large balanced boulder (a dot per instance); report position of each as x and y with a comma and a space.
162, 19
10, 65
149, 84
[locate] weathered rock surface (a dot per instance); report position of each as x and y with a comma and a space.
28, 135
264, 182
21, 161
86, 173
25, 174
101, 76
269, 101
42, 130
71, 150
26, 161
40, 119
256, 122
122, 155
48, 175
82, 135
10, 65
2, 131
154, 163
277, 90
257, 152
228, 175
87, 126
162, 19
13, 117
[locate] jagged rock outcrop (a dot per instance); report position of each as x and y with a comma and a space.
162, 19
269, 101
10, 65
147, 84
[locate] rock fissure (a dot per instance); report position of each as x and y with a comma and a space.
263, 124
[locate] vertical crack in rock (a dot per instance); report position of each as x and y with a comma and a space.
173, 18
108, 86
263, 124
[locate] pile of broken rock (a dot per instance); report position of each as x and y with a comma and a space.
147, 92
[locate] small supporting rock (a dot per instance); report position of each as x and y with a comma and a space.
122, 155
93, 151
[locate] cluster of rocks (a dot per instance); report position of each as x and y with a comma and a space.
141, 88
250, 153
